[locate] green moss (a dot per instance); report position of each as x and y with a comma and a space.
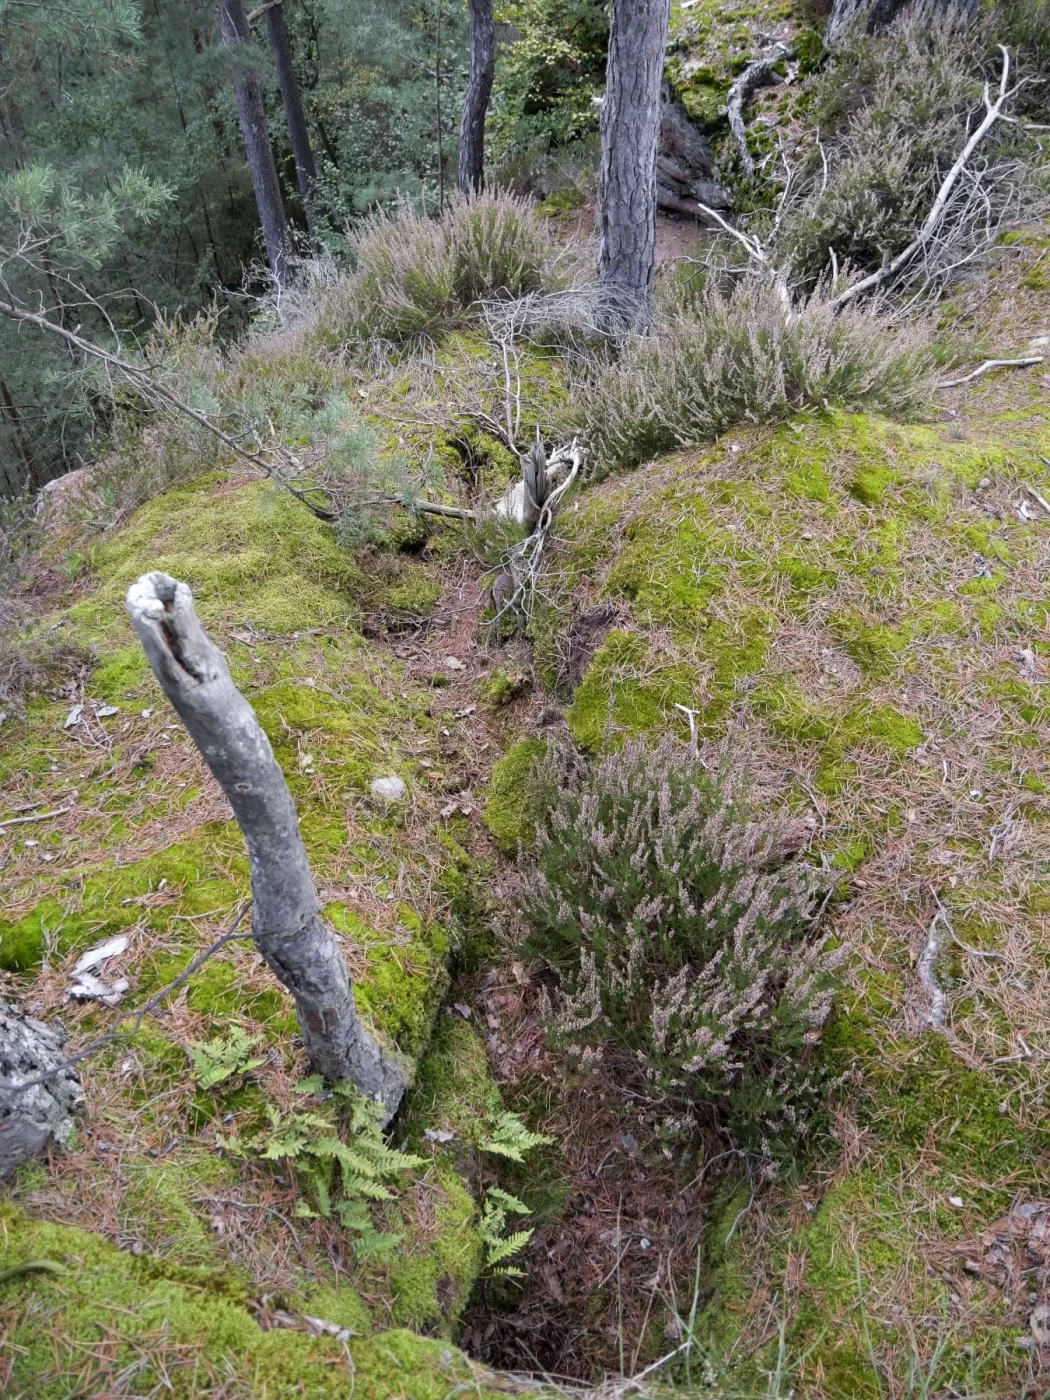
506, 807
503, 688
416, 592
871, 482
184, 1331
627, 692
882, 726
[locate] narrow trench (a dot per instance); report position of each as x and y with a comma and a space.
617, 1217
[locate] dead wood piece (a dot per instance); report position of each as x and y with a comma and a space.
993, 112
42, 1112
761, 73
296, 944
685, 170
987, 367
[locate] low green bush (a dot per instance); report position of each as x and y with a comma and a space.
680, 935
746, 357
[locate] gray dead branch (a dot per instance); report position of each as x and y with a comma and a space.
761, 73
300, 949
987, 367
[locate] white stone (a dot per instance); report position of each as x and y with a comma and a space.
389, 789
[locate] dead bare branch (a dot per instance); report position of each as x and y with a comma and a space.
993, 113
761, 73
987, 367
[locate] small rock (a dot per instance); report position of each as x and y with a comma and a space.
453, 663
438, 1135
956, 1201
390, 789
984, 483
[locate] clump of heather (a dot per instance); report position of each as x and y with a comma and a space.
680, 932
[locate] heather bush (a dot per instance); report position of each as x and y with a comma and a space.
418, 276
888, 117
745, 357
681, 939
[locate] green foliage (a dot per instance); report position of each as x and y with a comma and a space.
548, 77
681, 939
499, 1247
337, 1151
507, 1136
215, 1061
52, 211
744, 358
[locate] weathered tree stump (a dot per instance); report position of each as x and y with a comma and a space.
31, 1118
298, 946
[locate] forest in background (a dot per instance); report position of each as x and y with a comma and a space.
125, 167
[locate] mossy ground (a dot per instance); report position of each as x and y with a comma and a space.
189, 1331
143, 844
857, 609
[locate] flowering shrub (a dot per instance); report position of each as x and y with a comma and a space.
681, 939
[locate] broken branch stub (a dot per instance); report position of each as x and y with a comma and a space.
287, 927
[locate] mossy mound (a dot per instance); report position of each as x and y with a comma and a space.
857, 609
106, 1313
143, 845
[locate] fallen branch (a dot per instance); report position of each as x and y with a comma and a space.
151, 389
761, 73
994, 112
987, 367
925, 968
40, 817
1039, 500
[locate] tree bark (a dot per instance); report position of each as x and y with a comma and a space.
476, 100
848, 16
247, 93
630, 132
287, 927
32, 1117
298, 134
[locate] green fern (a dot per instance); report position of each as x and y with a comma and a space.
498, 1246
221, 1058
507, 1136
339, 1157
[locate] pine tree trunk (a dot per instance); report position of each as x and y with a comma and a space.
287, 927
629, 139
871, 16
247, 94
476, 100
305, 169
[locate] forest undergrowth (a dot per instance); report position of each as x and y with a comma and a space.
710, 910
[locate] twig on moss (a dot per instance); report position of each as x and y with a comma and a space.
12, 1086
40, 817
925, 968
988, 366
